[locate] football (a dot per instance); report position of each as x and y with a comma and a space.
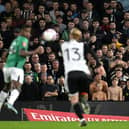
49, 35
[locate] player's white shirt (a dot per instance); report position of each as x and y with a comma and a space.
73, 56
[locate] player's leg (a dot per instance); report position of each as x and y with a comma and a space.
74, 96
84, 90
5, 91
74, 99
14, 94
83, 98
16, 83
15, 91
3, 95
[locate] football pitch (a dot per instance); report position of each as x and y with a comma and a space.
61, 125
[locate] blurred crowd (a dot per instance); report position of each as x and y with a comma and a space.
105, 28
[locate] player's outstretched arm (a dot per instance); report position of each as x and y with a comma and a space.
38, 50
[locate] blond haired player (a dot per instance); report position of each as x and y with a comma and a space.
76, 71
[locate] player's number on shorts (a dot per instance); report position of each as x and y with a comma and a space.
75, 56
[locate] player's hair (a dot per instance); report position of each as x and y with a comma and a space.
75, 34
25, 27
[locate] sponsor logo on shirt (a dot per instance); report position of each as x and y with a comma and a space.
24, 44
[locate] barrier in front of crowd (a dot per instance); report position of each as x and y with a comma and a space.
101, 108
45, 115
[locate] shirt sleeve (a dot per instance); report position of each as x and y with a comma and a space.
87, 50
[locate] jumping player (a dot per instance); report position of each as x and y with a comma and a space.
13, 69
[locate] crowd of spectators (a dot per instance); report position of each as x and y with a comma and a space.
105, 28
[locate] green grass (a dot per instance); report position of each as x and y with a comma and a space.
62, 125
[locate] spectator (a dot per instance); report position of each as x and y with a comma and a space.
56, 71
26, 10
109, 13
85, 25
18, 20
50, 90
122, 77
37, 68
44, 69
33, 17
104, 50
42, 56
35, 43
43, 78
114, 91
2, 7
27, 69
41, 11
76, 21
65, 34
105, 23
62, 93
68, 16
30, 90
99, 95
96, 83
51, 57
41, 27
37, 72
48, 50
103, 60
4, 55
110, 56
74, 9
59, 21
118, 61
126, 92
125, 28
83, 16
92, 14
34, 60
6, 34
84, 3
118, 13
29, 23
7, 12
65, 7
125, 17
86, 37
14, 3
111, 33
106, 4
48, 19
55, 6
126, 54
9, 23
